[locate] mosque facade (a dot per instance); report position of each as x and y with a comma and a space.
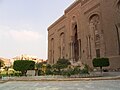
88, 29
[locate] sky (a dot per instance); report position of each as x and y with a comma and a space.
24, 23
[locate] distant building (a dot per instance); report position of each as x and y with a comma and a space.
88, 29
6, 61
27, 57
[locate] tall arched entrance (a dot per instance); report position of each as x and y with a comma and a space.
75, 42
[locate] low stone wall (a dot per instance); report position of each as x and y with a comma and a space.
92, 76
59, 79
49, 77
32, 78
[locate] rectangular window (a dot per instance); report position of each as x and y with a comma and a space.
97, 52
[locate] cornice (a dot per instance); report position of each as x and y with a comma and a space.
56, 22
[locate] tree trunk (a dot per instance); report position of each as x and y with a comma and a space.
36, 72
59, 70
24, 73
101, 70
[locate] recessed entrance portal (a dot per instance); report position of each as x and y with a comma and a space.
76, 44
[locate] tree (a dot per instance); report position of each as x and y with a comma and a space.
44, 69
61, 64
38, 66
1, 63
6, 69
101, 62
48, 69
23, 66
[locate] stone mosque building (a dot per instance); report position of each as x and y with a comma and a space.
88, 29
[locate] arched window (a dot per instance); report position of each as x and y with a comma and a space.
118, 36
117, 25
52, 50
62, 45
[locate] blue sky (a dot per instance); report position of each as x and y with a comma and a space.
24, 23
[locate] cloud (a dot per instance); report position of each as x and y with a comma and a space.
22, 41
20, 34
25, 35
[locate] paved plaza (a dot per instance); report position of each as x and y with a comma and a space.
82, 84
61, 85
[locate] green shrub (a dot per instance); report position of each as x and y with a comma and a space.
61, 64
23, 66
76, 70
101, 62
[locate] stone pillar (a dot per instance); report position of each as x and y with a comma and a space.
89, 47
79, 48
72, 49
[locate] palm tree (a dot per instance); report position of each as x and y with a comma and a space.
38, 66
